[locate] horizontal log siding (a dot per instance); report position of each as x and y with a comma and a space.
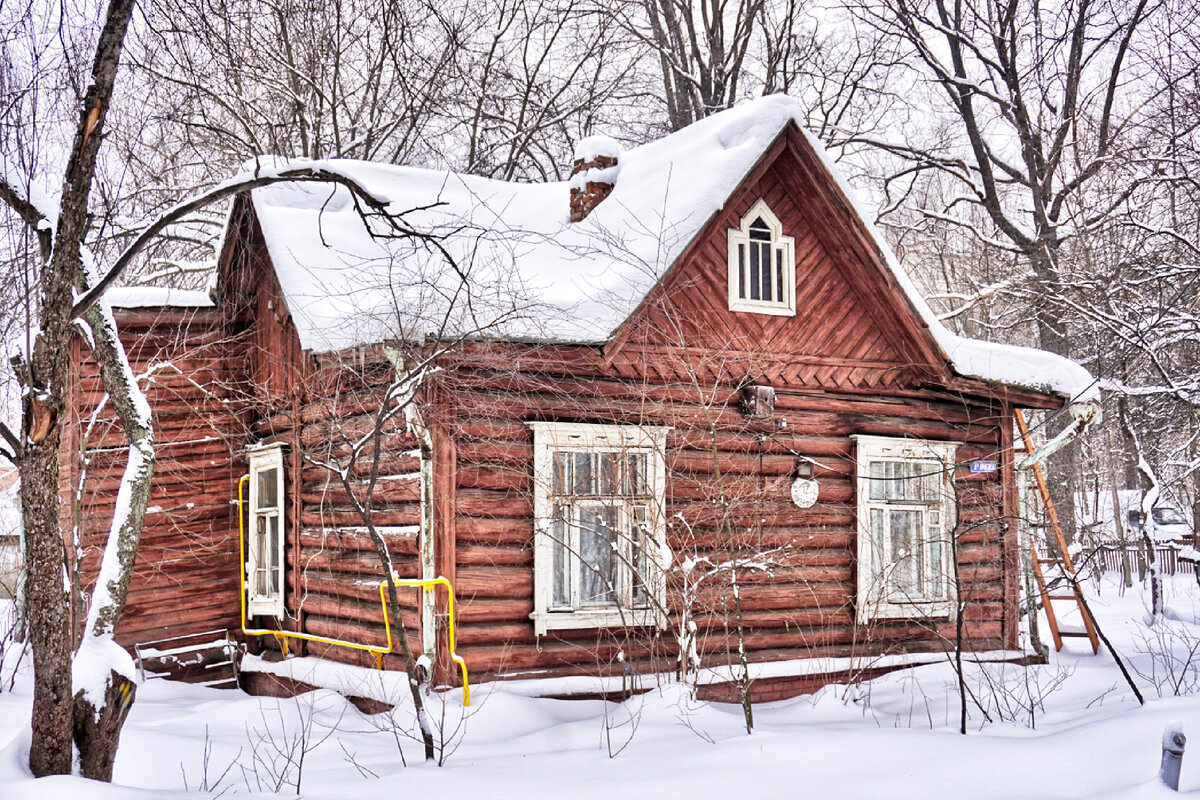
186, 572
802, 606
338, 567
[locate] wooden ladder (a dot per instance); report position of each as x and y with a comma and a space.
1062, 563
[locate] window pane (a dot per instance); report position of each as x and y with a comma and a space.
937, 571
608, 473
878, 535
880, 483
915, 480
560, 559
905, 555
273, 558
561, 478
933, 481
742, 271
904, 487
909, 481
760, 230
765, 274
261, 557
779, 275
639, 537
268, 488
755, 280
597, 560
582, 481
265, 551
635, 475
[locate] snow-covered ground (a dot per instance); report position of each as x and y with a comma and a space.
893, 737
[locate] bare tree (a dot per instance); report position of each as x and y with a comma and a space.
103, 686
1033, 99
1031, 120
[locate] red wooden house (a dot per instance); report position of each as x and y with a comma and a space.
597, 409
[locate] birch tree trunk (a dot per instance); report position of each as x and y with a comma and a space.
100, 710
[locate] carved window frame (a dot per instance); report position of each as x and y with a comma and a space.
761, 234
639, 593
921, 586
266, 533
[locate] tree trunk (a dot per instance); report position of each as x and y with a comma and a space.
1126, 574
116, 568
44, 383
46, 609
410, 663
1052, 336
97, 731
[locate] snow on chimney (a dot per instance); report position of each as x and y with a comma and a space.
594, 173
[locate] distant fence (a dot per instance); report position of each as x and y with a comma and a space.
1166, 559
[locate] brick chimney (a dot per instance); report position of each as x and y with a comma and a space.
594, 174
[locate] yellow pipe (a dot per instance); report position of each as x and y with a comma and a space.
376, 650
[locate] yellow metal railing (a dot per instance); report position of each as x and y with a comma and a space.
376, 650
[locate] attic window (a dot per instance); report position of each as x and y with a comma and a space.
762, 271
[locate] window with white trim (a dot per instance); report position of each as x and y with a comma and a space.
264, 545
762, 270
905, 521
599, 528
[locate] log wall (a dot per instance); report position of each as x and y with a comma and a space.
187, 569
803, 604
185, 576
336, 569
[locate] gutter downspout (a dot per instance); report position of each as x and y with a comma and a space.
1084, 414
425, 547
428, 568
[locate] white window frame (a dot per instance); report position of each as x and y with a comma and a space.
783, 251
270, 604
559, 437
875, 600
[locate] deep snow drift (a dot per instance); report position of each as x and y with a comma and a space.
896, 736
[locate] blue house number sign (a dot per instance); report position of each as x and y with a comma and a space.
983, 466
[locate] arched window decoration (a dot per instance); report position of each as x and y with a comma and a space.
762, 271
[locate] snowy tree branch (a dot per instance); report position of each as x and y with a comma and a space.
315, 173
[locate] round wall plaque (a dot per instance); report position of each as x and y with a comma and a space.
804, 492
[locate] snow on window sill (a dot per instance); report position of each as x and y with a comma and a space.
544, 621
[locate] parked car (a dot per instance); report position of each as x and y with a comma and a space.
1169, 525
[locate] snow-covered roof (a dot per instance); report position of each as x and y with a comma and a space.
534, 274
156, 297
569, 281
